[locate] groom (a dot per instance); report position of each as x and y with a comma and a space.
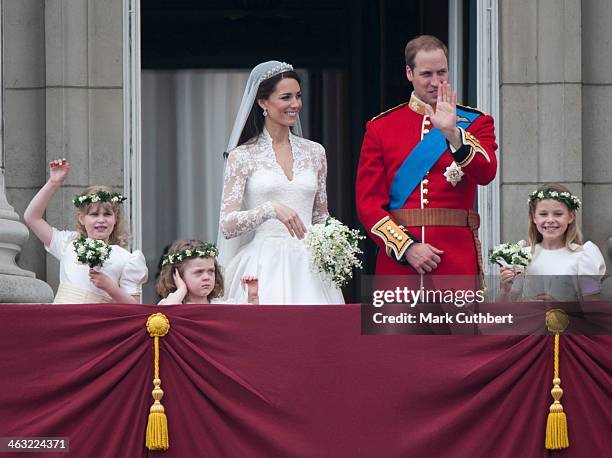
420, 165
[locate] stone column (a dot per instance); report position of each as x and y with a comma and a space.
63, 87
16, 284
83, 101
596, 122
541, 103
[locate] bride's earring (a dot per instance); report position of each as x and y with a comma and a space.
265, 112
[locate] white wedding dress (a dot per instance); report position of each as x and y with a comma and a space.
253, 179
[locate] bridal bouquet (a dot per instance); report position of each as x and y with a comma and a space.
334, 250
91, 252
510, 255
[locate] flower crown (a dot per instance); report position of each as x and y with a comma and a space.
209, 250
280, 68
100, 196
567, 198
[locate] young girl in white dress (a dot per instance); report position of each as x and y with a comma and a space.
274, 189
562, 267
190, 274
99, 217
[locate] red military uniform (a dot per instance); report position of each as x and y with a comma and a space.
390, 137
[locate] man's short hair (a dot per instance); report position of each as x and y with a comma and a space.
422, 43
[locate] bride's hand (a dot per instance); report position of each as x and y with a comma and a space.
290, 219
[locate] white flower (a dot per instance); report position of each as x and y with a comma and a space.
334, 250
510, 253
91, 252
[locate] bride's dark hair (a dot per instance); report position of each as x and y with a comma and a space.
254, 124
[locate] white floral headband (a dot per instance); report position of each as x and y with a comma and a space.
567, 198
100, 196
209, 250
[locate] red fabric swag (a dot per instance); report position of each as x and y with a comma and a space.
269, 381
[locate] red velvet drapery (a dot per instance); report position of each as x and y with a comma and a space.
246, 381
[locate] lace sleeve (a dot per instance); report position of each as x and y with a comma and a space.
319, 209
233, 220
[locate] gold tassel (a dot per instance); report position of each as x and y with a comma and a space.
157, 426
556, 426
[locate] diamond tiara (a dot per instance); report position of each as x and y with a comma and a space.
280, 68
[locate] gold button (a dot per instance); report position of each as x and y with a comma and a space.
425, 131
400, 238
388, 228
427, 122
425, 201
425, 181
392, 231
425, 191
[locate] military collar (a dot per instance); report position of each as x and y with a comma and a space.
416, 104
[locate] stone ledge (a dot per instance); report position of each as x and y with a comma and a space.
15, 289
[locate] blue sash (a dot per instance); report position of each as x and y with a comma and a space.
418, 162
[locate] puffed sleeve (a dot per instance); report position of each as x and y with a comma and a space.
59, 241
591, 268
134, 274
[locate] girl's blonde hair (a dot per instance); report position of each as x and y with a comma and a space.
572, 234
165, 283
120, 236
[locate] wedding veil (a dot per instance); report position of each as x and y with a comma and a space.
229, 248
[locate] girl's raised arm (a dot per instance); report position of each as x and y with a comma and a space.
33, 215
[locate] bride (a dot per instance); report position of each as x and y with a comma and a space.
273, 190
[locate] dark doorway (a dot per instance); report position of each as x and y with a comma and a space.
353, 52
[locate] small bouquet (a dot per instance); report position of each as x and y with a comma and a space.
510, 255
334, 250
91, 252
